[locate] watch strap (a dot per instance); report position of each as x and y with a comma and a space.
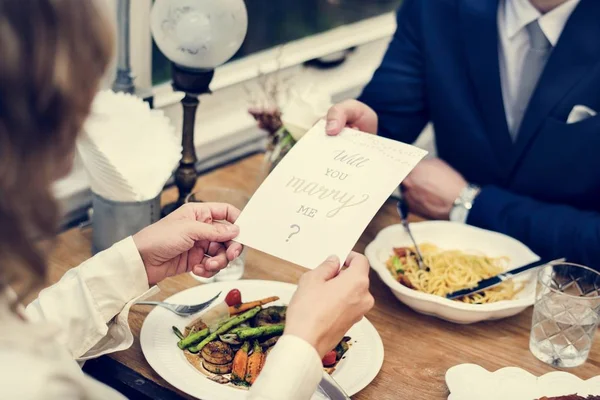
464, 203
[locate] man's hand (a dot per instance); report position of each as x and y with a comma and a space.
351, 113
431, 188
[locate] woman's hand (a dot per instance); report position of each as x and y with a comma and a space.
328, 303
351, 113
180, 242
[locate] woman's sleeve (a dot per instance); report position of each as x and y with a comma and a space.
25, 376
91, 302
292, 371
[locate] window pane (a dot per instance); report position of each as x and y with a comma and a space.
274, 22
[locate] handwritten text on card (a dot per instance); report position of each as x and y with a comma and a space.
324, 193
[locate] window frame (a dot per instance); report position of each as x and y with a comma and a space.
248, 68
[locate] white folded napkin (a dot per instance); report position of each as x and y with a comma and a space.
129, 150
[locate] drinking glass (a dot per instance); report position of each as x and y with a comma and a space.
565, 315
238, 199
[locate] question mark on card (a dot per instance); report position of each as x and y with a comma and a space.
296, 230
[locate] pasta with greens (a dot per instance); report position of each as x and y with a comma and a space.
449, 271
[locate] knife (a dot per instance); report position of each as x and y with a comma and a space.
498, 279
330, 389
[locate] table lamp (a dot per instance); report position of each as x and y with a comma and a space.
124, 79
196, 36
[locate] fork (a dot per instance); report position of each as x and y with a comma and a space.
403, 212
181, 310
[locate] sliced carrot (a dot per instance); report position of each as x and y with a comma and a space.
240, 362
255, 363
233, 310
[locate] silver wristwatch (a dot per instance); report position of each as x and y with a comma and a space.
464, 203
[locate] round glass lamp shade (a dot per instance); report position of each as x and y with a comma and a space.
199, 34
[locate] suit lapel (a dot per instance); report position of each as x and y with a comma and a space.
480, 34
577, 50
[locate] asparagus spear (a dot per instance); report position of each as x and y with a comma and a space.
252, 333
193, 338
239, 329
225, 327
177, 332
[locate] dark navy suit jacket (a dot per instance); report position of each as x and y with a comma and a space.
442, 66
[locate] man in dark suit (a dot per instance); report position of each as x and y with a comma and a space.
511, 87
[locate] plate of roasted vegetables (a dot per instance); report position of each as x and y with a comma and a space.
219, 353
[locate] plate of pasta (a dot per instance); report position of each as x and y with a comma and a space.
458, 256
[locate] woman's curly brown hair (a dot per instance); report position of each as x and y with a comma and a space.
53, 54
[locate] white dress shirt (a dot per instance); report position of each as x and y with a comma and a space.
513, 16
84, 315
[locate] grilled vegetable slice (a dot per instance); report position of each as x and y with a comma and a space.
217, 369
274, 315
270, 342
217, 353
255, 363
240, 362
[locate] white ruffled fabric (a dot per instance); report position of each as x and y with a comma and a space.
129, 151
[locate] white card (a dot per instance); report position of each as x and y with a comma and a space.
323, 194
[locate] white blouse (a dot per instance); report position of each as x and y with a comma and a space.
84, 316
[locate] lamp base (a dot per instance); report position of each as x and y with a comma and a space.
193, 83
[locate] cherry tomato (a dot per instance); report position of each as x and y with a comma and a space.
329, 359
233, 298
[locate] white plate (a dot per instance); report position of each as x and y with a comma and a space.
360, 366
450, 235
472, 382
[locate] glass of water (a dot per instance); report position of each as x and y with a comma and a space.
565, 315
238, 199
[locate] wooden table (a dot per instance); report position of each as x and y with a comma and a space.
418, 349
